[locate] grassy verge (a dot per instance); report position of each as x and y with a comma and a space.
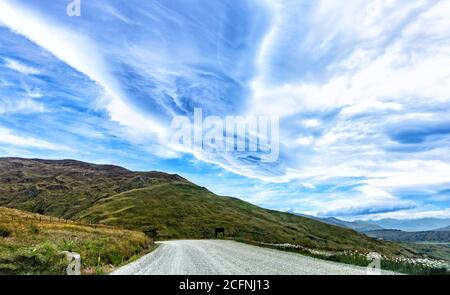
31, 246
432, 250
396, 264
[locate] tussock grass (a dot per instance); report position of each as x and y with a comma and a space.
28, 246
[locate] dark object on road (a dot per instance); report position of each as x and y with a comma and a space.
220, 230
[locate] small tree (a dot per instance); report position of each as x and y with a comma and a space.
151, 232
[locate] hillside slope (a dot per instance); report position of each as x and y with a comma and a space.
65, 188
176, 207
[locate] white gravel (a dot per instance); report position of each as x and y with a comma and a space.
219, 257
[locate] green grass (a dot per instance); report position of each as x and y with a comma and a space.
33, 247
181, 210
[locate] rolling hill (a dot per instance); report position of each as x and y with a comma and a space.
170, 204
65, 188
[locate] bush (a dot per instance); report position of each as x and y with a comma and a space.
42, 259
32, 192
33, 229
151, 232
4, 232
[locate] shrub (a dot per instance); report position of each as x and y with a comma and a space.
4, 232
32, 192
33, 229
151, 232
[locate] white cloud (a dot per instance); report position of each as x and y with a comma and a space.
9, 138
396, 63
415, 63
306, 140
311, 122
81, 53
309, 185
20, 67
366, 65
33, 92
411, 214
24, 106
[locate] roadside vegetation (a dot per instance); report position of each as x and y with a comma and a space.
32, 244
438, 251
400, 264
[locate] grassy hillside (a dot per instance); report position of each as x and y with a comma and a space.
177, 208
65, 188
32, 244
181, 210
439, 251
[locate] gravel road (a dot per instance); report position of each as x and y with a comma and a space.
219, 257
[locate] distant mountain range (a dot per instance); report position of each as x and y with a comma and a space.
358, 225
411, 237
413, 225
407, 225
434, 243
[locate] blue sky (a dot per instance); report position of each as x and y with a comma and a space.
362, 90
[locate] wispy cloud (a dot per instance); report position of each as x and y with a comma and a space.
79, 52
24, 106
20, 67
368, 209
9, 138
363, 108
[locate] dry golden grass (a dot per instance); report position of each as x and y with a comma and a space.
31, 243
